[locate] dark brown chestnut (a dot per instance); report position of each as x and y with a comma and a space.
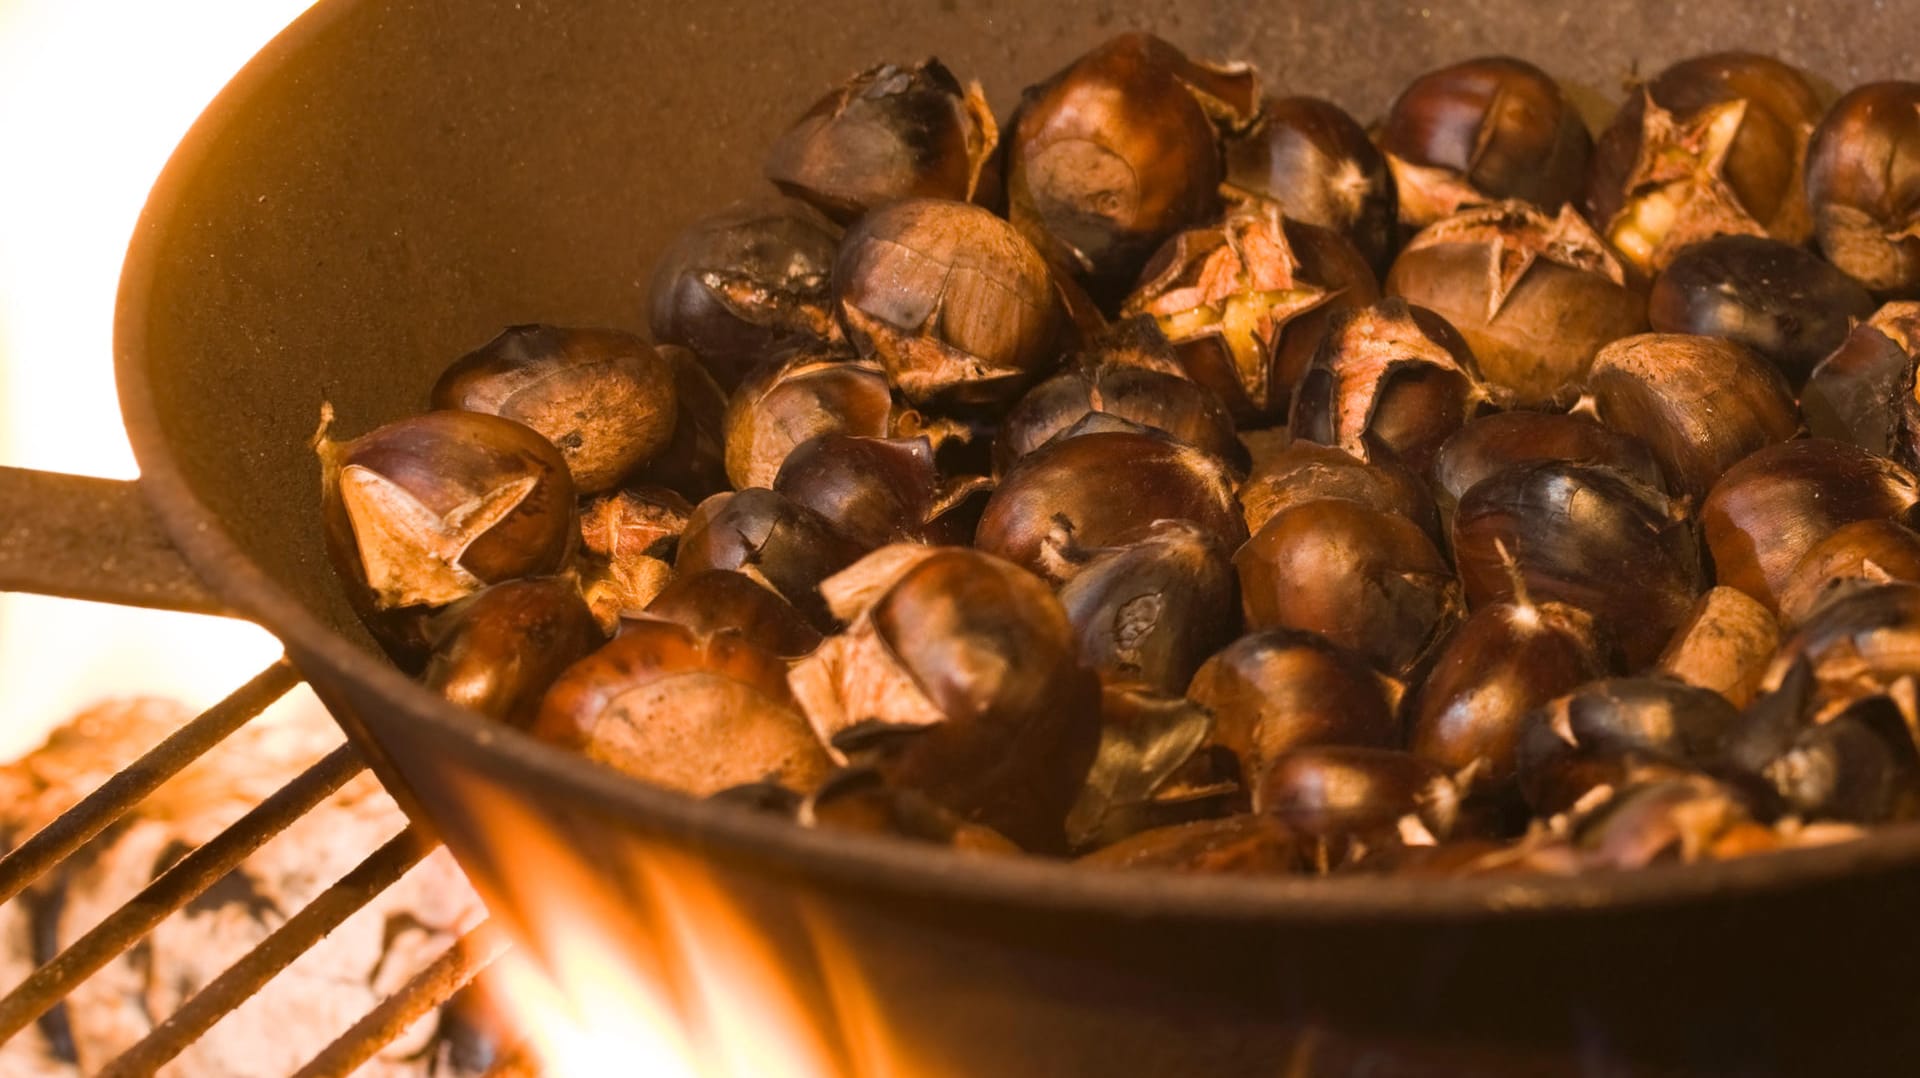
1354, 798
888, 133
745, 283
779, 544
1725, 644
1863, 553
1309, 472
1245, 301
1863, 642
1534, 294
498, 650
692, 712
1163, 402
956, 306
1317, 162
1701, 404
876, 491
1493, 443
1483, 130
1150, 612
860, 799
1274, 691
1863, 185
1772, 507
789, 399
714, 600
1858, 394
1149, 743
694, 462
1779, 300
1245, 845
1592, 735
1857, 764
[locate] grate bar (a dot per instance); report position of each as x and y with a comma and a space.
275, 953
54, 842
173, 889
428, 989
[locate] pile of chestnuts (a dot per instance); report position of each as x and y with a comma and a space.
1167, 475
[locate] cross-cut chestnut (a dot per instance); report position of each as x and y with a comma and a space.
1274, 691
1711, 147
1309, 472
1165, 402
1725, 645
1152, 611
876, 491
745, 283
498, 650
1351, 799
1535, 294
1254, 844
1245, 301
779, 544
789, 399
628, 539
1118, 151
1701, 404
957, 677
1777, 299
689, 711
957, 307
1483, 130
1493, 443
694, 462
1860, 554
860, 799
886, 134
1863, 185
1316, 161
713, 600
1859, 393
1593, 735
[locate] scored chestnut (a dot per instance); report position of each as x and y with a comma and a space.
1309, 472
713, 600
1277, 690
628, 539
776, 542
1863, 184
500, 649
877, 491
1317, 162
791, 398
1152, 611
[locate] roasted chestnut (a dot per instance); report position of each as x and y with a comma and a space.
1857, 765
876, 491
1318, 164
1164, 402
789, 399
1593, 736
886, 134
1863, 642
859, 799
1863, 553
1701, 404
1246, 845
1149, 743
1777, 299
628, 539
1278, 690
1724, 645
498, 650
1245, 301
714, 600
694, 462
1352, 798
1480, 131
1863, 185
1150, 612
745, 283
779, 544
1534, 294
1493, 443
1309, 472
957, 307
1858, 394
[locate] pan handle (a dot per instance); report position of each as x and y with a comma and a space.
84, 538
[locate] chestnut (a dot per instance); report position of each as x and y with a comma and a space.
859, 799
1061, 503
1858, 393
498, 650
1245, 845
634, 522
958, 677
1712, 146
1588, 537
1862, 642
1350, 798
1725, 645
745, 283
689, 711
1366, 580
956, 306
1535, 295
1772, 507
1278, 690
1592, 735
1865, 552
1118, 151
713, 600
1245, 301
1154, 399
793, 397
1150, 612
1779, 300
1483, 130
876, 491
885, 134
1317, 162
1701, 404
1493, 443
1858, 764
693, 464
1148, 743
1309, 472
1391, 375
1863, 185
781, 545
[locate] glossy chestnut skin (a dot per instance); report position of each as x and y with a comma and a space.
1493, 443
1863, 185
1858, 393
1078, 495
1150, 612
1701, 404
1483, 130
498, 650
876, 491
745, 283
714, 600
1309, 472
885, 134
1534, 294
1366, 580
1584, 536
1251, 844
1597, 730
791, 398
1860, 554
1779, 300
784, 546
1165, 402
955, 305
694, 462
1278, 690
1367, 795
1772, 507
1317, 162
1725, 645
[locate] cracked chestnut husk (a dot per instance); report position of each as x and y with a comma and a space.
1275, 691
1863, 185
689, 711
1858, 393
1349, 800
1779, 300
1063, 503
432, 508
1725, 645
1712, 146
1863, 642
956, 306
860, 799
1152, 769
694, 462
1701, 404
1317, 162
1245, 301
777, 543
1535, 294
1598, 735
1664, 820
1120, 150
1772, 507
1252, 844
1860, 554
746, 283
1493, 443
719, 599
1150, 612
958, 677
500, 649
1366, 580
877, 491
789, 399
1480, 131
1857, 765
1309, 472
628, 539
1390, 376
888, 133
1585, 536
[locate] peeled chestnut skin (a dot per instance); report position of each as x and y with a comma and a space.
785, 546
1777, 299
1658, 719
1860, 554
1280, 689
498, 650
876, 491
1863, 184
1165, 402
1492, 443
694, 462
1314, 159
714, 600
1151, 612
1309, 472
